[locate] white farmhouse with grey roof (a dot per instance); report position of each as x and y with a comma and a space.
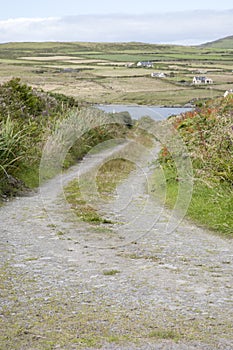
202, 80
145, 64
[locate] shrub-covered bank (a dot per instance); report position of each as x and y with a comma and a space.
208, 134
27, 118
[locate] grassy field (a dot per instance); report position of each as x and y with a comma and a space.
107, 72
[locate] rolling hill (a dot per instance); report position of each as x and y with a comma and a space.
223, 43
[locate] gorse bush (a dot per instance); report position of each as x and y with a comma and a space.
208, 135
22, 102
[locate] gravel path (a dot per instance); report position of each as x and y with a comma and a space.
128, 285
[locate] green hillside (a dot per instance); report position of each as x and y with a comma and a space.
224, 43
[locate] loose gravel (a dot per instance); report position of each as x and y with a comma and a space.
131, 285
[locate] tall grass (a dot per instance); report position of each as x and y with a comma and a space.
12, 146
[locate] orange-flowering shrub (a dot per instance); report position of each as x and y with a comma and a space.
208, 135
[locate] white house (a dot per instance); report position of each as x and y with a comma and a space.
145, 64
228, 92
202, 80
158, 75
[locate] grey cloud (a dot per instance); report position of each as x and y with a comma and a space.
177, 27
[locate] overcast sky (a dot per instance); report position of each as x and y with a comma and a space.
184, 22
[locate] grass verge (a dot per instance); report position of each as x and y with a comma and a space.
211, 207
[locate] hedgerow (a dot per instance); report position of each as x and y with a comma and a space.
207, 133
27, 118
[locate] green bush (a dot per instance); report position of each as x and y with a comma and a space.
22, 102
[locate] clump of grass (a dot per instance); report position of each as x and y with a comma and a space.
111, 174
164, 334
84, 211
60, 233
31, 258
111, 272
12, 145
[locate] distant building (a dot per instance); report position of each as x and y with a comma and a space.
201, 71
202, 80
67, 70
158, 75
145, 64
228, 92
129, 65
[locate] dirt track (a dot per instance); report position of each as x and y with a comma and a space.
69, 285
